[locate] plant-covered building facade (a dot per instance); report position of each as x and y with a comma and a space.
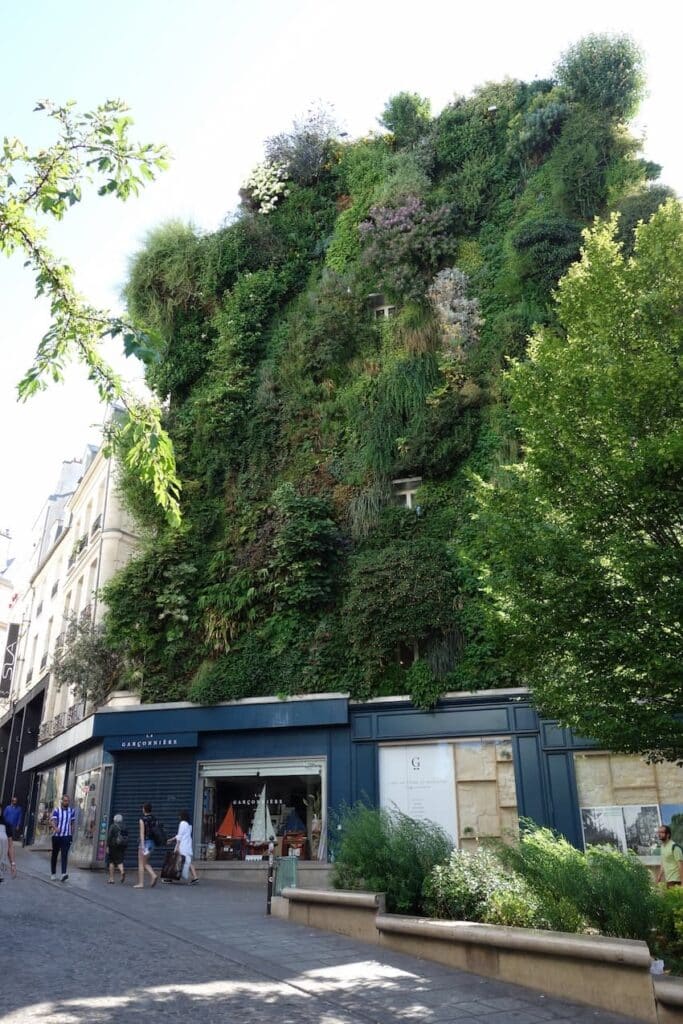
332, 362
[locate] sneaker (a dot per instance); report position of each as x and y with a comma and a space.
64, 878
53, 877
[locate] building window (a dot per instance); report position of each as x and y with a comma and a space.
245, 804
380, 308
50, 788
86, 806
466, 786
405, 490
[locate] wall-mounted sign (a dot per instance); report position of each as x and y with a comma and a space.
419, 780
9, 659
151, 741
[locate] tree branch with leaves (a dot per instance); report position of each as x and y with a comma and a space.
91, 147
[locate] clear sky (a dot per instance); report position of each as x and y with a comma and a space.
213, 79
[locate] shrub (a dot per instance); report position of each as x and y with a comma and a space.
619, 898
404, 245
407, 116
265, 186
476, 887
668, 941
636, 208
604, 71
545, 249
601, 888
460, 315
386, 851
305, 151
401, 594
163, 277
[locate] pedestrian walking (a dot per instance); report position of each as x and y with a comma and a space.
671, 867
146, 826
14, 816
4, 849
183, 846
62, 825
117, 842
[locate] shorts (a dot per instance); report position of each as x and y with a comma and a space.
147, 847
116, 855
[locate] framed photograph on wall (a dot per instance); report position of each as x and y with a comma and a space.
626, 827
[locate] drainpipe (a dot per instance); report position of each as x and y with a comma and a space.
101, 545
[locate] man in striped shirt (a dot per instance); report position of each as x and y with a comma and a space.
62, 822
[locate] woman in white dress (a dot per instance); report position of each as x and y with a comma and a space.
183, 846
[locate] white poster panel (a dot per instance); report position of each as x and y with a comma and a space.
420, 781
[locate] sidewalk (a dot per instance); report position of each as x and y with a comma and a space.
84, 951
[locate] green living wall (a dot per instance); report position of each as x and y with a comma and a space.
293, 407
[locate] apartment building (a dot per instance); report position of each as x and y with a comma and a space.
82, 537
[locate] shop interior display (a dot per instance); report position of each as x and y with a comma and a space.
239, 820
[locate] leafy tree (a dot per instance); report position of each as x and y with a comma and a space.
407, 116
605, 72
583, 555
85, 663
93, 146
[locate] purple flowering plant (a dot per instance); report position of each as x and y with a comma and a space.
404, 245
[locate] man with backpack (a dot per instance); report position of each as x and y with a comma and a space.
671, 868
117, 841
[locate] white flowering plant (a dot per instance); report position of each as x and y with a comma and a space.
265, 186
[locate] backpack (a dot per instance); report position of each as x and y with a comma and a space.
157, 833
118, 836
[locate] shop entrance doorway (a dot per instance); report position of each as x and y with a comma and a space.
244, 805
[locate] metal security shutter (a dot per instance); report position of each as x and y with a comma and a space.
167, 782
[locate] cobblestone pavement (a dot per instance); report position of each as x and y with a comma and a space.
83, 951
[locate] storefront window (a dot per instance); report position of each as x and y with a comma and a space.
50, 789
465, 786
87, 807
244, 806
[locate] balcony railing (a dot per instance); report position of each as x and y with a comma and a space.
61, 722
79, 546
74, 714
45, 731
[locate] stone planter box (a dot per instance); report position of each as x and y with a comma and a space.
669, 996
122, 699
610, 974
334, 910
